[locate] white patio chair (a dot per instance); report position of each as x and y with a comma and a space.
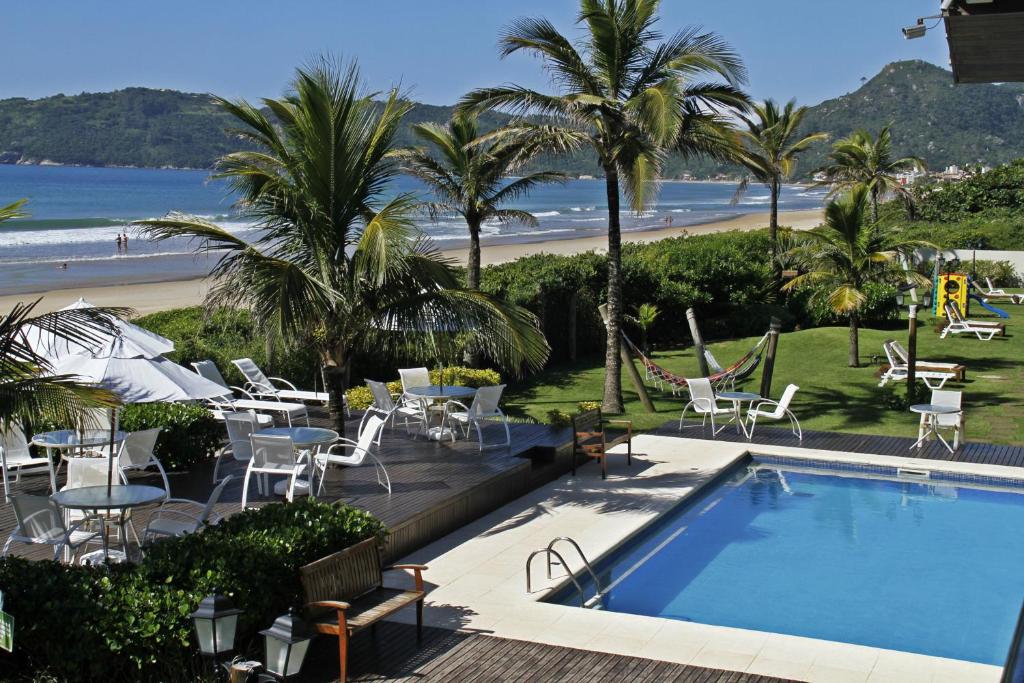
16, 455
704, 403
360, 451
39, 521
241, 426
258, 384
483, 409
957, 325
413, 378
384, 406
899, 369
169, 522
767, 409
137, 454
953, 421
274, 455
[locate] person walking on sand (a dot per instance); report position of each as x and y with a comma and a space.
118, 241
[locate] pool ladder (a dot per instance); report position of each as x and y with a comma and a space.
554, 557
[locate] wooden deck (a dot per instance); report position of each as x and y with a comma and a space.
453, 657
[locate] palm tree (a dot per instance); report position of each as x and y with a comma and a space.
632, 100
467, 175
845, 253
860, 159
770, 146
646, 316
335, 264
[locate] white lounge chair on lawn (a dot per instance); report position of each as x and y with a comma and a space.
168, 522
954, 421
704, 403
482, 410
137, 454
274, 455
767, 409
992, 291
903, 356
957, 325
258, 384
39, 521
15, 455
360, 451
898, 370
385, 407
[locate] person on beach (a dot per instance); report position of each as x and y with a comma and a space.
62, 266
124, 241
118, 241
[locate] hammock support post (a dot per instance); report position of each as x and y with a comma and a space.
698, 343
769, 357
625, 353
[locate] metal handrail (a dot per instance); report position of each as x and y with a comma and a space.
549, 552
593, 574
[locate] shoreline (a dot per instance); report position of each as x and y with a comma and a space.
167, 293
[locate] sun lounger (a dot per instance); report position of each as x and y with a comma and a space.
997, 295
258, 384
958, 325
902, 358
898, 371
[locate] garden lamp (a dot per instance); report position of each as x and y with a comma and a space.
286, 643
216, 620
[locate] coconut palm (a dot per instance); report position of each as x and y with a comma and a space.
860, 159
646, 316
633, 100
469, 176
847, 252
336, 264
770, 146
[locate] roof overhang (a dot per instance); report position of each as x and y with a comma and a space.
986, 40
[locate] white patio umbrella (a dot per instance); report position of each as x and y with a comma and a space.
135, 341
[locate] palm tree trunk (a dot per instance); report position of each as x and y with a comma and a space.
336, 370
612, 402
854, 360
773, 230
473, 263
874, 204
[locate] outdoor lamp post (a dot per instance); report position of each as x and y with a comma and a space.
216, 620
926, 301
286, 643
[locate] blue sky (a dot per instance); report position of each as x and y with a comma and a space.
437, 49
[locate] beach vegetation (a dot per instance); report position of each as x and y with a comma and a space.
337, 263
632, 100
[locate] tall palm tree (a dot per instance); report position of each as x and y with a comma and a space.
860, 159
633, 100
336, 264
469, 176
845, 253
770, 146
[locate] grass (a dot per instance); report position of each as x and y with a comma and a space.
832, 396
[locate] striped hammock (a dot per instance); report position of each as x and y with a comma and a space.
723, 378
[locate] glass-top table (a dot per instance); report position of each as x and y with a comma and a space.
436, 392
303, 437
120, 497
738, 398
70, 439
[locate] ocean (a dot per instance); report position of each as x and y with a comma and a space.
77, 213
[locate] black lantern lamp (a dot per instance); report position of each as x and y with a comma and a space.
216, 621
902, 298
286, 644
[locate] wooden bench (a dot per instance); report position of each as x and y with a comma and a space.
589, 439
345, 594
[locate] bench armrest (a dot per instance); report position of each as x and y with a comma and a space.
627, 423
329, 604
417, 569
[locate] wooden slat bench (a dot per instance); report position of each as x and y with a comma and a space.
345, 594
590, 439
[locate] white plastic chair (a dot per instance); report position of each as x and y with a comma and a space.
137, 454
84, 472
704, 403
169, 522
16, 455
384, 406
274, 455
258, 384
359, 452
40, 522
954, 421
241, 426
484, 408
767, 409
413, 378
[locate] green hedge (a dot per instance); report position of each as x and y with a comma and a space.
189, 434
360, 397
131, 623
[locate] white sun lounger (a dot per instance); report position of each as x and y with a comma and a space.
899, 370
258, 384
957, 325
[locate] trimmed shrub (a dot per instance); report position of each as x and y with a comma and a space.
360, 398
189, 433
879, 309
131, 622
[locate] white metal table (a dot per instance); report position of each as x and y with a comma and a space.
434, 392
68, 442
96, 498
738, 398
304, 438
930, 411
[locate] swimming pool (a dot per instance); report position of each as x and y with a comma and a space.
865, 557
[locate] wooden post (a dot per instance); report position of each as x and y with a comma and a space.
912, 355
769, 357
627, 361
698, 343
573, 301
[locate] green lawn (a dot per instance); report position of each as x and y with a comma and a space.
832, 396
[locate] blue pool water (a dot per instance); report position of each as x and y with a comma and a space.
932, 568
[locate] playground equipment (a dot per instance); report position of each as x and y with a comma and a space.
950, 287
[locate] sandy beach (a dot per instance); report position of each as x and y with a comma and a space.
158, 296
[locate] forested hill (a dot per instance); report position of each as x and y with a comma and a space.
932, 118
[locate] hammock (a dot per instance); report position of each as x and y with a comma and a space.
723, 377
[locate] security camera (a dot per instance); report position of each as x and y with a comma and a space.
916, 31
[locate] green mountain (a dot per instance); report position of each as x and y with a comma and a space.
932, 118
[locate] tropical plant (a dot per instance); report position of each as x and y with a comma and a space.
632, 100
646, 315
841, 256
769, 149
333, 262
859, 159
469, 176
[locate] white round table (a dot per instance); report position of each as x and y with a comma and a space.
738, 398
930, 411
96, 498
434, 392
305, 438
